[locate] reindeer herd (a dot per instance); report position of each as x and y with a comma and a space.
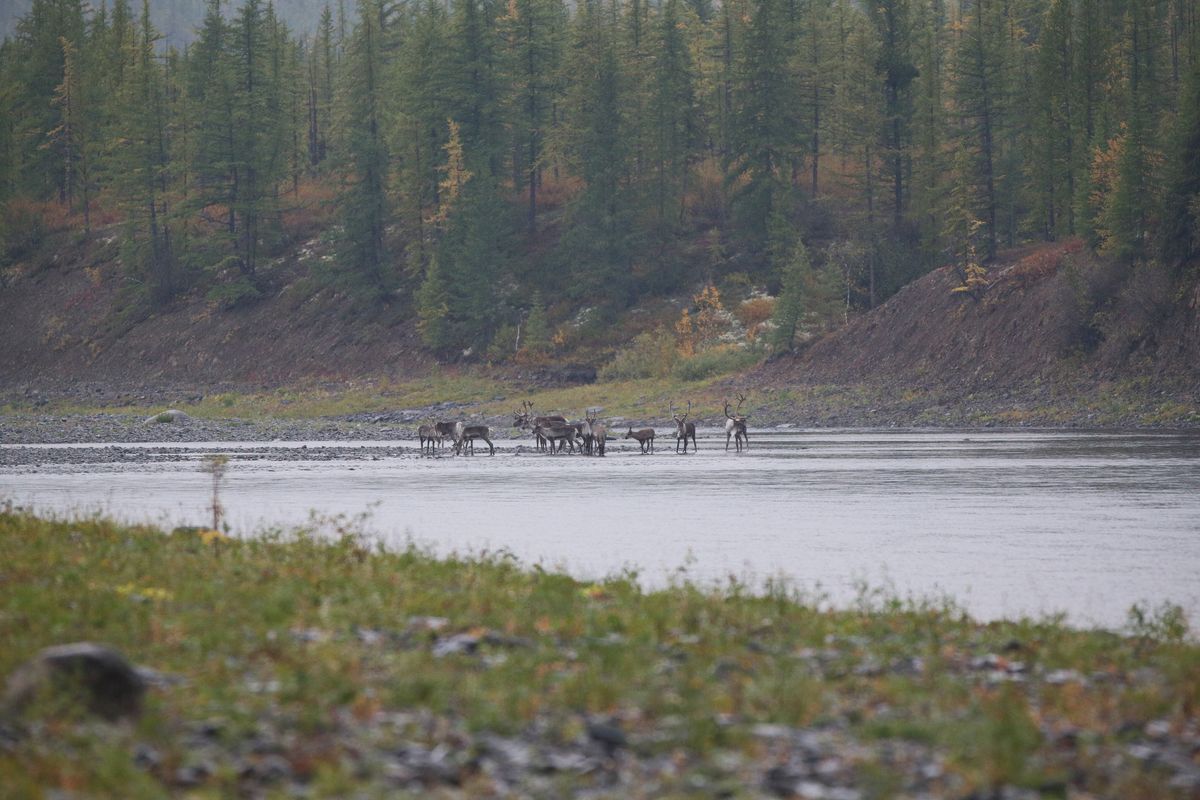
553, 433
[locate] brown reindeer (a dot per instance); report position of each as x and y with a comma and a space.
735, 426
430, 438
525, 420
684, 430
645, 438
599, 433
467, 434
446, 430
552, 433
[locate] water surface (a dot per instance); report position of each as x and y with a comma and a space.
1007, 523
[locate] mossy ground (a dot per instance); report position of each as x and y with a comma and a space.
308, 645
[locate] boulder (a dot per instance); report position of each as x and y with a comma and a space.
171, 415
96, 677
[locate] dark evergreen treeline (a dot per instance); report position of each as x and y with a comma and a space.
487, 154
178, 20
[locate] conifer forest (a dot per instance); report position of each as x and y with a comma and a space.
479, 160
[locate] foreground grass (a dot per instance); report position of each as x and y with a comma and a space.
339, 660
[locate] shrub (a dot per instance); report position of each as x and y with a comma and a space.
233, 294
714, 361
537, 327
504, 343
753, 313
22, 230
649, 355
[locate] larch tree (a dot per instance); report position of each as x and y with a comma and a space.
71, 138
928, 186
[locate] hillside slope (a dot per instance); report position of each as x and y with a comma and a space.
1051, 314
1057, 335
64, 321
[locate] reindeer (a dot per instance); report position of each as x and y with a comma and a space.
524, 420
430, 438
584, 432
684, 430
464, 434
599, 433
735, 426
445, 431
645, 438
556, 432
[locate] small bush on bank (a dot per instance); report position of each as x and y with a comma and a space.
649, 355
715, 361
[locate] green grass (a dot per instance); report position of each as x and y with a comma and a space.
477, 391
480, 391
691, 669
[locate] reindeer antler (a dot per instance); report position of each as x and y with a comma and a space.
741, 399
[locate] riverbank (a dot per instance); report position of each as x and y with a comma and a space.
317, 664
391, 410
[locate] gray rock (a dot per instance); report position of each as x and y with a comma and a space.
607, 735
460, 643
96, 677
1157, 730
194, 774
146, 757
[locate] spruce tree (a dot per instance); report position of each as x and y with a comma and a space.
790, 304
534, 42
763, 139
1056, 134
1179, 239
141, 169
980, 75
364, 203
599, 244
896, 70
675, 124
420, 78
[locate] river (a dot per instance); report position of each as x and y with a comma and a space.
1005, 523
